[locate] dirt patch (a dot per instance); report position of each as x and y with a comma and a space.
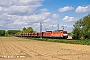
13, 48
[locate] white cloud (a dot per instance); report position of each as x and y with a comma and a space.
19, 7
44, 10
37, 17
31, 2
20, 21
7, 3
18, 10
30, 19
82, 9
66, 8
19, 13
47, 20
1, 9
55, 15
69, 19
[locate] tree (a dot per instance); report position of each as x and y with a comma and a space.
30, 30
89, 33
76, 33
2, 32
13, 31
82, 28
27, 30
24, 30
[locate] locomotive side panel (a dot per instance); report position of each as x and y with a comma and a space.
46, 34
56, 34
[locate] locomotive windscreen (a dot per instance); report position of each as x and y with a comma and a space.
65, 32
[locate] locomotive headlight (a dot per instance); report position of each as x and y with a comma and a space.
65, 34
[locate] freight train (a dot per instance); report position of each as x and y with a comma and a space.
47, 34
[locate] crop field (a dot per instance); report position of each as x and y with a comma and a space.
14, 48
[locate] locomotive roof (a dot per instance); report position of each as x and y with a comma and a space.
48, 31
55, 31
58, 30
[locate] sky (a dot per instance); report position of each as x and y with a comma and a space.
16, 14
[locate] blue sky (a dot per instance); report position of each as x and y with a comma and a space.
54, 5
16, 14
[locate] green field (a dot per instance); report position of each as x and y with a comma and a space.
82, 42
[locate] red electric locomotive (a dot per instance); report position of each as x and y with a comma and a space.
56, 34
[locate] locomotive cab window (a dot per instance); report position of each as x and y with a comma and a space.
65, 32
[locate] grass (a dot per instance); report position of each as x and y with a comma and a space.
82, 42
69, 34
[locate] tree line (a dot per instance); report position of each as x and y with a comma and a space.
24, 30
82, 28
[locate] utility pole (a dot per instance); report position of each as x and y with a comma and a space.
40, 30
58, 27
